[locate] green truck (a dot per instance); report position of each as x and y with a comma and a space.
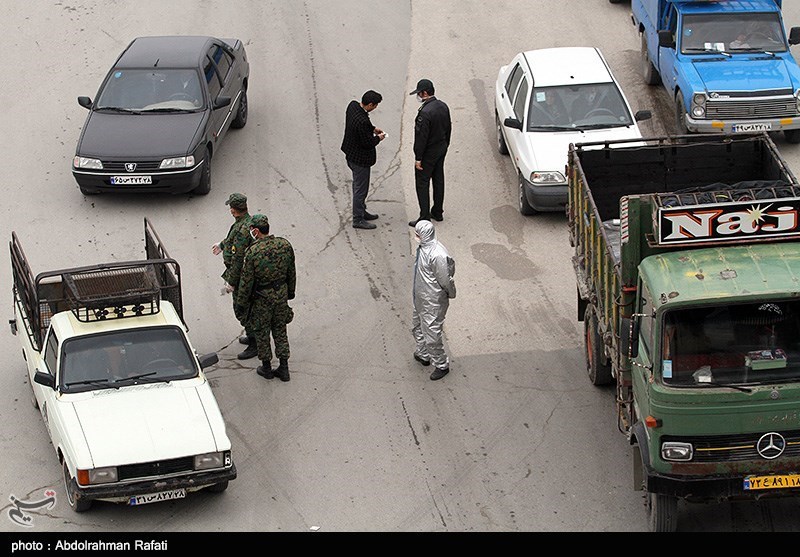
687, 258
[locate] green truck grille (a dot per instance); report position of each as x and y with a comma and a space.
731, 448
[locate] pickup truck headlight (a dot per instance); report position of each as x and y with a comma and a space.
547, 177
682, 452
178, 162
209, 460
699, 105
797, 100
86, 162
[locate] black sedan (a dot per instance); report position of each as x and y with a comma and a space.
160, 114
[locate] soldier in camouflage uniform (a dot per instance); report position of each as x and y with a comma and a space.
232, 249
267, 283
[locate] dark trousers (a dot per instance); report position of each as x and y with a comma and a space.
360, 190
432, 172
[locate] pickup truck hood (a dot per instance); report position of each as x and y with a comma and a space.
145, 423
549, 149
143, 135
744, 74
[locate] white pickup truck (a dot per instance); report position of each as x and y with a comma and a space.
121, 390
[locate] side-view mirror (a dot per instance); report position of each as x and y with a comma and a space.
85, 102
794, 35
642, 115
629, 335
221, 102
512, 123
42, 378
666, 39
207, 360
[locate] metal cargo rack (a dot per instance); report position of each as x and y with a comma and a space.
125, 291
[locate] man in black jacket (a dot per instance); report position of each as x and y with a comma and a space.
431, 140
358, 144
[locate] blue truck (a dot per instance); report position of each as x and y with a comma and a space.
726, 63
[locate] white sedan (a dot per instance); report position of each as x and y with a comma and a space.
547, 99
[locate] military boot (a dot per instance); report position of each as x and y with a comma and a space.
246, 339
265, 370
250, 352
282, 371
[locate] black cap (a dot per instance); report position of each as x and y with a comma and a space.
423, 85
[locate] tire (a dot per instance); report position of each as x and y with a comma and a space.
34, 402
205, 179
597, 365
680, 116
502, 148
524, 206
218, 488
792, 136
614, 1
241, 113
662, 510
649, 71
84, 191
76, 504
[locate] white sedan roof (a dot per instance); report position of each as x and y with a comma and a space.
567, 65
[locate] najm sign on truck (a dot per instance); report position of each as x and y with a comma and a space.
687, 258
726, 63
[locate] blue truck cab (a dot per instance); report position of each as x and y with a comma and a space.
726, 63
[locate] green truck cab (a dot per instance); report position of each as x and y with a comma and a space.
687, 261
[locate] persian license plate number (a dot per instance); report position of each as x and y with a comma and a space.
131, 180
752, 127
156, 497
752, 483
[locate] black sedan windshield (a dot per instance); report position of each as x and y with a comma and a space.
151, 90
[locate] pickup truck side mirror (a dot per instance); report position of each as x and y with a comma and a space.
221, 102
45, 379
513, 123
666, 39
207, 360
85, 102
794, 35
642, 115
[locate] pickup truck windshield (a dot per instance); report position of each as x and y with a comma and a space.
125, 357
737, 344
732, 32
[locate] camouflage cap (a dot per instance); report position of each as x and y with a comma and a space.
237, 201
259, 220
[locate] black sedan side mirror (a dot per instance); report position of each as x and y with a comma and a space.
221, 101
513, 123
642, 115
85, 102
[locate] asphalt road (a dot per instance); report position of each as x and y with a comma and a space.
515, 439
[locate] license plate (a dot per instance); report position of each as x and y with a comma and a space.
772, 482
131, 180
755, 127
156, 497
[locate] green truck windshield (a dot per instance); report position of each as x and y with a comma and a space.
732, 344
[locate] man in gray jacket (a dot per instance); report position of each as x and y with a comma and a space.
433, 288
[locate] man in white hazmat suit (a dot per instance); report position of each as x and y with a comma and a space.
432, 289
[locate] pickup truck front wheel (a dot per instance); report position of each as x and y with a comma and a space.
680, 115
792, 136
218, 488
75, 502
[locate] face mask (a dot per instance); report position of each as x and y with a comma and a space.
420, 99
253, 234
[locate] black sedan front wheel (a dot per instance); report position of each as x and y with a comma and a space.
241, 113
205, 178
